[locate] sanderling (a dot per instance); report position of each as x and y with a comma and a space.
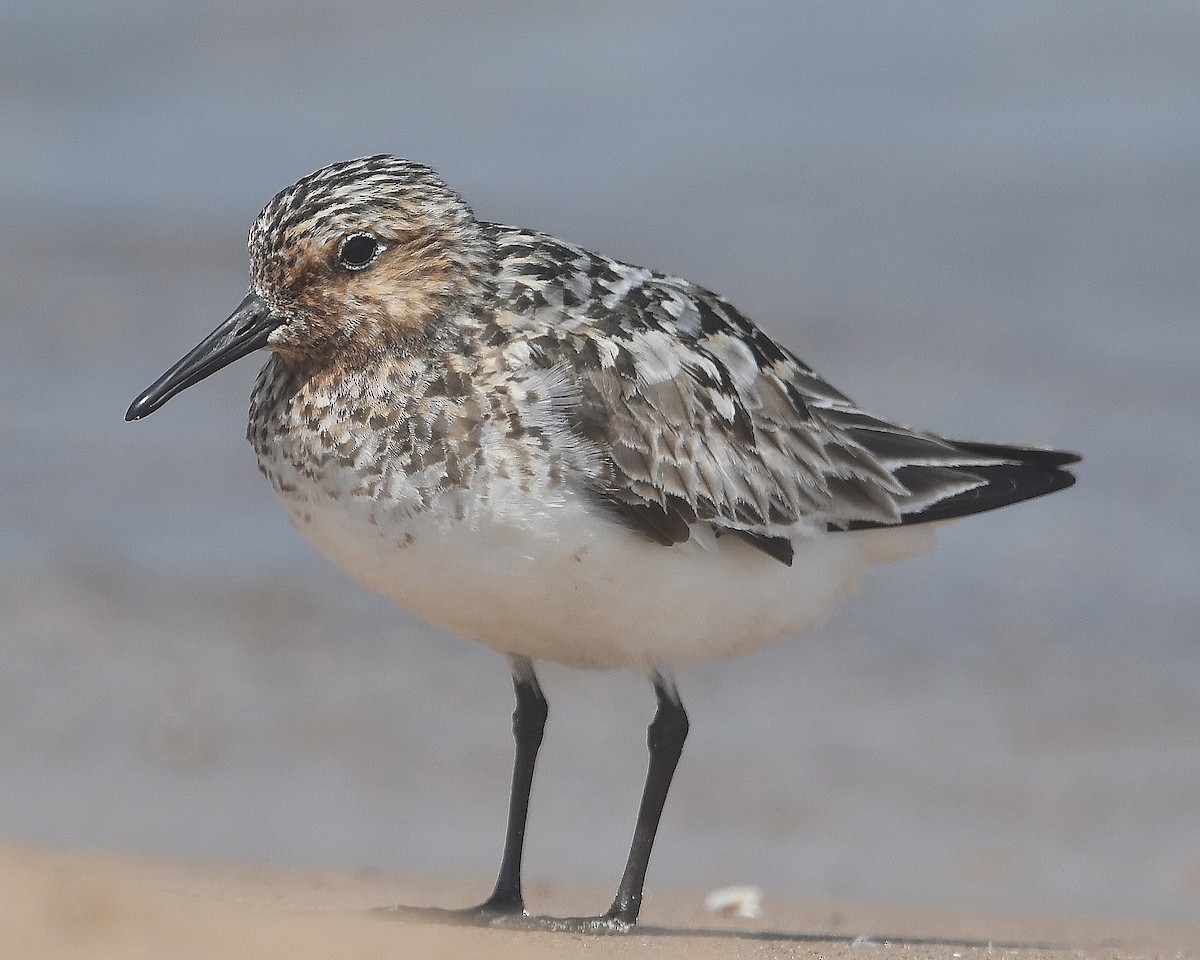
564, 457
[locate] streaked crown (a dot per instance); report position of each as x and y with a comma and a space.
366, 248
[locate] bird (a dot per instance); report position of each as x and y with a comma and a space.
565, 457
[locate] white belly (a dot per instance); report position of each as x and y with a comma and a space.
565, 583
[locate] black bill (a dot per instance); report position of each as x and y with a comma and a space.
244, 332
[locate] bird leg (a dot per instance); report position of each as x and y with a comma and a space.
506, 907
665, 737
529, 720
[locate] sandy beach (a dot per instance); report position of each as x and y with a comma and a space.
102, 905
974, 217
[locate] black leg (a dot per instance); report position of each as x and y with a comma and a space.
529, 720
506, 907
667, 732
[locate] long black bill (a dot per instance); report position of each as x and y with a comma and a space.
244, 332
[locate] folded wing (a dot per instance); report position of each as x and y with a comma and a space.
696, 416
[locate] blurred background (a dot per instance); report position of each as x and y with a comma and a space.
980, 218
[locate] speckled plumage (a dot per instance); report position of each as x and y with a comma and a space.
563, 456
480, 375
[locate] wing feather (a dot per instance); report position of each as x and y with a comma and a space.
697, 416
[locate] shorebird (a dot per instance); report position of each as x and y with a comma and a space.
564, 457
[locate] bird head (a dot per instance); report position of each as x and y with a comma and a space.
356, 259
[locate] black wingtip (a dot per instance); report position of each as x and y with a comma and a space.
1034, 456
1030, 472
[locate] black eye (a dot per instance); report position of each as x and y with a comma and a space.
357, 251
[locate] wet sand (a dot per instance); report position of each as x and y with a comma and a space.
104, 905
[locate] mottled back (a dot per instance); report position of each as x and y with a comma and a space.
703, 418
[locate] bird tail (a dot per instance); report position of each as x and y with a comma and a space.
975, 477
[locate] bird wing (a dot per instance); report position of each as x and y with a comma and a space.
697, 416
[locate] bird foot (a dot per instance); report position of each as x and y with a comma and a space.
506, 917
486, 914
